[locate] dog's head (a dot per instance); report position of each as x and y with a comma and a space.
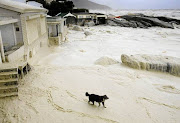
105, 97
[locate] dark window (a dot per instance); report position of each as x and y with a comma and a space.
17, 28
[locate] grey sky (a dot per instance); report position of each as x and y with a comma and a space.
141, 4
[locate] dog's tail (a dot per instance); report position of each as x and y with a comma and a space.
87, 94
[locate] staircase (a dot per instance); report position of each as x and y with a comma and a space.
8, 82
9, 78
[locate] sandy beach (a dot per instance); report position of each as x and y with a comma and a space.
54, 91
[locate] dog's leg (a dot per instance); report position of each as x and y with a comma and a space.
99, 103
93, 102
103, 105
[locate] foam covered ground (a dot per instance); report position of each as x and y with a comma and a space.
54, 91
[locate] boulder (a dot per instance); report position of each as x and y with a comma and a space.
152, 20
89, 24
105, 61
77, 28
111, 23
166, 64
87, 33
143, 21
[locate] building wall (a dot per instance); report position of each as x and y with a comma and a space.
61, 27
32, 30
70, 20
103, 16
34, 33
16, 55
8, 36
83, 16
15, 15
0, 58
43, 25
55, 40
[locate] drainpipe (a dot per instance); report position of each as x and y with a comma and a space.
2, 49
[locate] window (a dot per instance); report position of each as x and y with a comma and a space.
17, 29
80, 16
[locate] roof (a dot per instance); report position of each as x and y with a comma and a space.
99, 14
34, 3
4, 21
69, 14
81, 13
55, 20
61, 14
20, 7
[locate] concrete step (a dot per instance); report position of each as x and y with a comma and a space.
8, 90
5, 77
8, 73
9, 80
8, 83
8, 70
8, 87
9, 94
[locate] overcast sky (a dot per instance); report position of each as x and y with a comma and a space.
141, 4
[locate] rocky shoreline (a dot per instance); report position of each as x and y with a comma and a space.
143, 21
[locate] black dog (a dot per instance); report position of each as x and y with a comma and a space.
97, 98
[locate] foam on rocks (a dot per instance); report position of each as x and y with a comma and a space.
77, 28
87, 33
89, 24
105, 61
153, 63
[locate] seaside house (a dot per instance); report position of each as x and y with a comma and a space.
82, 17
70, 18
100, 18
27, 25
57, 30
97, 18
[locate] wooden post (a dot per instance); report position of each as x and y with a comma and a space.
22, 73
26, 68
2, 49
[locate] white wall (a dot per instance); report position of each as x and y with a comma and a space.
43, 25
32, 30
84, 16
0, 58
18, 54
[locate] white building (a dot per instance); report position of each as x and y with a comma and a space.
30, 30
57, 30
